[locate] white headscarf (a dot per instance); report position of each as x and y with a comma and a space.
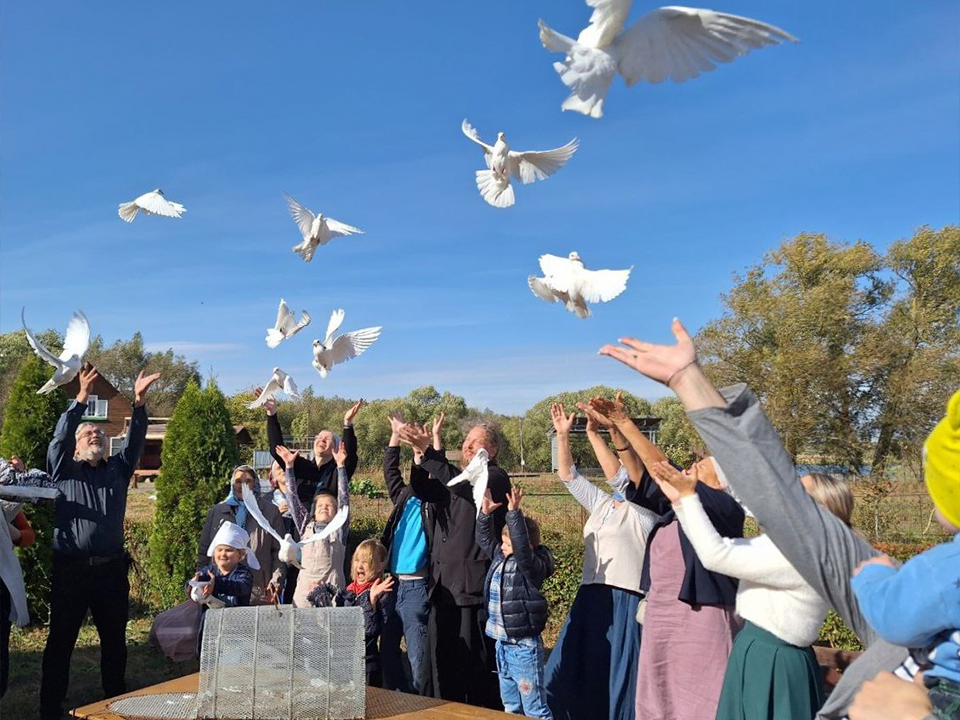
236, 537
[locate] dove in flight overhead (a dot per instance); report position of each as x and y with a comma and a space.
280, 382
332, 351
316, 230
502, 163
152, 203
286, 325
476, 473
567, 280
75, 344
670, 42
290, 549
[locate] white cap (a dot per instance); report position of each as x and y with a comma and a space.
235, 536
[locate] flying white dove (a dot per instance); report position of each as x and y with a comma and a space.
567, 280
316, 229
152, 203
75, 344
290, 549
286, 325
671, 42
280, 382
502, 162
476, 474
331, 352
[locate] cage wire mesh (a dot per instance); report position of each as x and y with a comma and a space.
258, 663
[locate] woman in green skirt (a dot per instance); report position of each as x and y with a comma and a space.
772, 673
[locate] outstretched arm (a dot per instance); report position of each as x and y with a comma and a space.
349, 438
64, 442
608, 461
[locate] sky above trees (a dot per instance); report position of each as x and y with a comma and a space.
355, 110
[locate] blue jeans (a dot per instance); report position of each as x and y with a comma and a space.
410, 622
520, 668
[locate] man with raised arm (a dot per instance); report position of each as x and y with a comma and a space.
89, 561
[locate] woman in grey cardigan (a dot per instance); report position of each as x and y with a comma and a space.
817, 543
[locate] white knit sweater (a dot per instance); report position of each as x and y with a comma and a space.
772, 595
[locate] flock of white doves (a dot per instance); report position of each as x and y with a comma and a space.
670, 42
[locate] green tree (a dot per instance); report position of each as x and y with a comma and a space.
13, 351
29, 422
122, 362
676, 436
199, 452
253, 420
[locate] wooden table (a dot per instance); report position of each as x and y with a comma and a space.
381, 704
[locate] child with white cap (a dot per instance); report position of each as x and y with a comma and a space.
228, 578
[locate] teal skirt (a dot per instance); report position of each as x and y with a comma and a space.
769, 679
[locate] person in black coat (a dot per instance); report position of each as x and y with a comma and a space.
321, 472
461, 658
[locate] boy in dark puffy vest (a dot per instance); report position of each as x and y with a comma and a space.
516, 609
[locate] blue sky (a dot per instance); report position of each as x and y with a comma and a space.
355, 109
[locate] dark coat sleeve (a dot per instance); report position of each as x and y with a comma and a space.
535, 566
234, 589
391, 473
427, 485
349, 440
486, 540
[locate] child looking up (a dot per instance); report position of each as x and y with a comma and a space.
369, 591
918, 605
516, 609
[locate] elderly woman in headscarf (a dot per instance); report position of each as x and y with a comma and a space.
318, 474
269, 577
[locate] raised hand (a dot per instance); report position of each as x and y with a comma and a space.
289, 457
141, 385
415, 436
270, 405
380, 586
340, 454
595, 420
561, 423
487, 505
612, 411
396, 422
438, 430
514, 497
674, 484
662, 363
352, 412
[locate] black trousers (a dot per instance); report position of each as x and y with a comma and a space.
462, 658
4, 637
78, 587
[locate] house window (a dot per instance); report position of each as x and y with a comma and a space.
116, 445
96, 408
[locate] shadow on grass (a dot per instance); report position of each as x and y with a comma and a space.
145, 666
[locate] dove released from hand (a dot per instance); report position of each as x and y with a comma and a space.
279, 382
330, 351
477, 474
152, 203
316, 230
75, 344
290, 549
670, 42
567, 280
286, 326
502, 163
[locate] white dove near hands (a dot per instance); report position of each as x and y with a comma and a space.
477, 474
316, 229
671, 42
502, 162
75, 344
286, 325
345, 347
152, 203
290, 549
279, 382
567, 280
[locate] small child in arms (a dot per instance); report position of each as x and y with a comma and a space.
516, 609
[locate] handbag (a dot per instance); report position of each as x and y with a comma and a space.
175, 631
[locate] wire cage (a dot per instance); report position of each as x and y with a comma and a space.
264, 663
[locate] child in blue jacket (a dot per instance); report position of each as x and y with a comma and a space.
516, 609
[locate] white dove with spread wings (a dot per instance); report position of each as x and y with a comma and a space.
152, 203
670, 42
502, 163
477, 474
286, 326
567, 280
332, 351
289, 548
316, 230
279, 382
75, 344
